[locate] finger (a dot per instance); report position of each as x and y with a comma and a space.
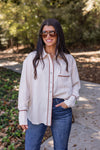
64, 105
58, 105
24, 127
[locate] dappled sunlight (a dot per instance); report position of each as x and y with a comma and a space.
11, 65
90, 112
7, 63
98, 98
96, 135
86, 53
87, 110
91, 85
18, 57
87, 106
83, 98
88, 65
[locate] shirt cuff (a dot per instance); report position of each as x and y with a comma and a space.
22, 117
71, 101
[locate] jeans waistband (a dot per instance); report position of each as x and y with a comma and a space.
57, 100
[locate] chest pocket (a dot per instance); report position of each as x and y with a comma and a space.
64, 74
64, 79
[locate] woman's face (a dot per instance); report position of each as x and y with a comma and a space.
49, 36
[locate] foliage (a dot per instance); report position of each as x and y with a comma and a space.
21, 20
13, 136
80, 24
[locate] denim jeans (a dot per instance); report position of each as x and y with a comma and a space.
61, 126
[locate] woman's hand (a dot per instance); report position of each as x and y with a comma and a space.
62, 105
24, 127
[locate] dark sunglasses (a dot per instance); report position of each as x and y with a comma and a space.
51, 33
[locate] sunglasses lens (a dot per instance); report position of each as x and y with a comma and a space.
45, 33
53, 33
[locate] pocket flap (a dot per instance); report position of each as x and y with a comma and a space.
64, 74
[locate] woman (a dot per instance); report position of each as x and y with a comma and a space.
49, 87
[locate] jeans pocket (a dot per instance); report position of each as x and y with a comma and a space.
63, 107
59, 109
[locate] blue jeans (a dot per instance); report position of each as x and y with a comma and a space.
61, 126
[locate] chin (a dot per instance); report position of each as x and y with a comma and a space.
50, 44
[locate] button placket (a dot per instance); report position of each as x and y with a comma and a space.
50, 90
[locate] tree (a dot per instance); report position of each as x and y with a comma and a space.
21, 20
80, 24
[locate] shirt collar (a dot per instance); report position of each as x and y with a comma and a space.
44, 54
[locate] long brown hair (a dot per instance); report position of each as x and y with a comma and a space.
60, 45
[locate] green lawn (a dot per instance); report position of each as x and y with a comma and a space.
11, 137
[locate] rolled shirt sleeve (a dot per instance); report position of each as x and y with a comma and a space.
70, 102
23, 97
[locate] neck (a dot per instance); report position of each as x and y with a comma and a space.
50, 50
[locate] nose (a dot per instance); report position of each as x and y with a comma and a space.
48, 35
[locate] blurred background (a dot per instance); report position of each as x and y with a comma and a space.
20, 21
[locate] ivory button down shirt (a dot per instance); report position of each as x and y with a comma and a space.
53, 81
